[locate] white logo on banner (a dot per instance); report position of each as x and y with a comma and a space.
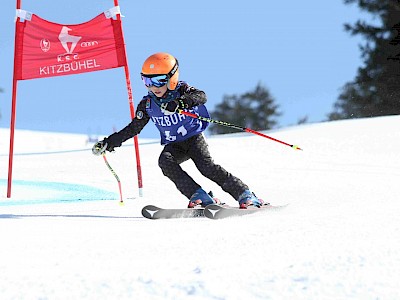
66, 38
45, 45
69, 61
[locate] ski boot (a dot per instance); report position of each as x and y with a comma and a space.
200, 197
248, 198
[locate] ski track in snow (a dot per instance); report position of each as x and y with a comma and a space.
65, 236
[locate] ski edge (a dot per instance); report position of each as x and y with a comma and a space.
153, 212
216, 212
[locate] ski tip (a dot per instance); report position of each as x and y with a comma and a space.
149, 211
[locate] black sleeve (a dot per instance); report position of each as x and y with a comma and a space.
133, 128
192, 96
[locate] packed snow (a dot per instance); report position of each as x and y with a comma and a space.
64, 234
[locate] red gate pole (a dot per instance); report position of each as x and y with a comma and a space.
132, 110
13, 110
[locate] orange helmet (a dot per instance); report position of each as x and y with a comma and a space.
162, 64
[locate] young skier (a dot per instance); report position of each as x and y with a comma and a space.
181, 135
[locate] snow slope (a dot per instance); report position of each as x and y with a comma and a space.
64, 235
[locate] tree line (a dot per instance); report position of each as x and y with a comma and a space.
375, 90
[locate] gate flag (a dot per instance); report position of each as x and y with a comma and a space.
46, 49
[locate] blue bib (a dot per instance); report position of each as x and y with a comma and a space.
177, 127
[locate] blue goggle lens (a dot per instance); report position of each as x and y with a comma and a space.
157, 81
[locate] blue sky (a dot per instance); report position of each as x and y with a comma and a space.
297, 49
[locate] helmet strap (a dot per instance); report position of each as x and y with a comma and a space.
172, 72
174, 69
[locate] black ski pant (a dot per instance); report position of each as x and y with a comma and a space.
196, 149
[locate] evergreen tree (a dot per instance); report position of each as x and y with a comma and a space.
375, 91
255, 109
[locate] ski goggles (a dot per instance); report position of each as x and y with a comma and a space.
155, 80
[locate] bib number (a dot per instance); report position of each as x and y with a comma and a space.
172, 138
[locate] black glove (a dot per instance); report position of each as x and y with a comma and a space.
100, 148
175, 105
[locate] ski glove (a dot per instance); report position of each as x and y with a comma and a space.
100, 148
174, 106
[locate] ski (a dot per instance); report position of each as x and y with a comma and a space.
154, 212
215, 211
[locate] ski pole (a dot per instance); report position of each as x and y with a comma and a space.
236, 127
121, 201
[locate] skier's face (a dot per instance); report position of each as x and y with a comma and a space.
158, 91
